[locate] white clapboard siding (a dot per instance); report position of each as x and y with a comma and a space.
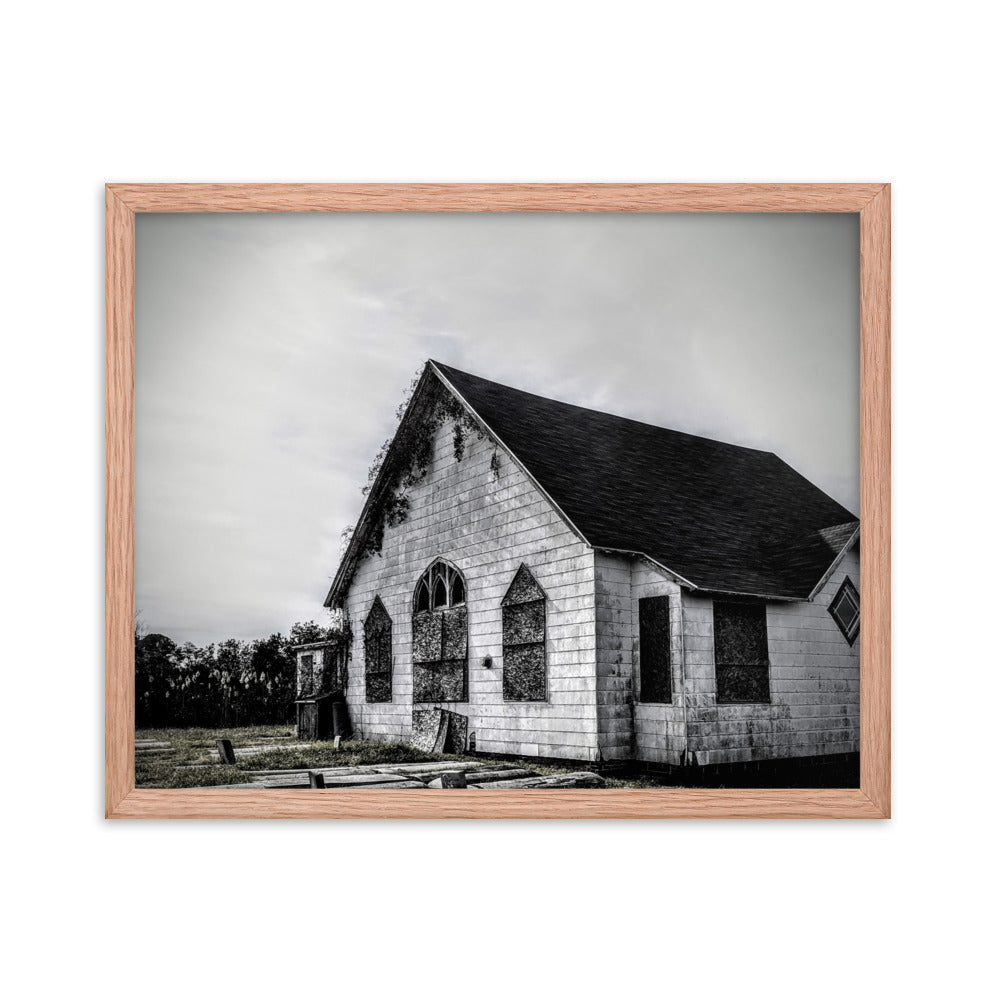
814, 676
486, 526
814, 681
630, 728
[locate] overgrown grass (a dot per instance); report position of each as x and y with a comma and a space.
165, 774
193, 747
189, 764
353, 754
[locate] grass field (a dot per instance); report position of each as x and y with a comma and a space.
173, 768
188, 762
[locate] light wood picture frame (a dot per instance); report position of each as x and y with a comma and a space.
870, 201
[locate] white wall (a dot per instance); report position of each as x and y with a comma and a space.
629, 728
486, 527
814, 681
814, 676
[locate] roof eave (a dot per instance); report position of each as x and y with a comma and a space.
346, 568
836, 562
631, 553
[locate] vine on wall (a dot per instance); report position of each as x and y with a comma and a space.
406, 463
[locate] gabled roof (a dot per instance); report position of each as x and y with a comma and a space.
718, 516
722, 517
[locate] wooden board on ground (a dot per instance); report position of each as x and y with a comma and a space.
507, 774
577, 779
251, 751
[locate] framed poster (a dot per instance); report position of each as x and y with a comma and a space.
624, 551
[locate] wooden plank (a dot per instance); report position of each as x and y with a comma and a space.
490, 803
494, 197
402, 783
362, 780
305, 786
305, 779
876, 597
299, 779
872, 201
486, 777
253, 751
119, 506
443, 765
576, 779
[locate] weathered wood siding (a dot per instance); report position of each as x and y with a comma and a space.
628, 728
486, 527
814, 681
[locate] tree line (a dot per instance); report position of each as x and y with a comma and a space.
231, 683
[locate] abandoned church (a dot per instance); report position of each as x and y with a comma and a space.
575, 585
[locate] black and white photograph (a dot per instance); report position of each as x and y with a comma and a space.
497, 501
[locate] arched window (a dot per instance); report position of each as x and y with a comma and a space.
523, 613
440, 635
378, 653
440, 587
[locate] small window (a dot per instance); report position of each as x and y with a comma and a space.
846, 610
440, 636
523, 615
741, 660
306, 682
378, 654
654, 650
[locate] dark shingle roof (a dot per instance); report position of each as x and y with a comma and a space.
723, 517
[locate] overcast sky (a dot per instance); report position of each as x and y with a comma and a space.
272, 351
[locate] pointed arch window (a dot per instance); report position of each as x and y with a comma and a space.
523, 613
440, 635
378, 653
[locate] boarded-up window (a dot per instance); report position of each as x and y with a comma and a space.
741, 660
654, 650
440, 636
523, 613
306, 686
846, 610
378, 654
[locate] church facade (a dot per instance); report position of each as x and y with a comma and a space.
588, 588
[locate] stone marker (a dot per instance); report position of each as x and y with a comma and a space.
449, 779
226, 753
336, 743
